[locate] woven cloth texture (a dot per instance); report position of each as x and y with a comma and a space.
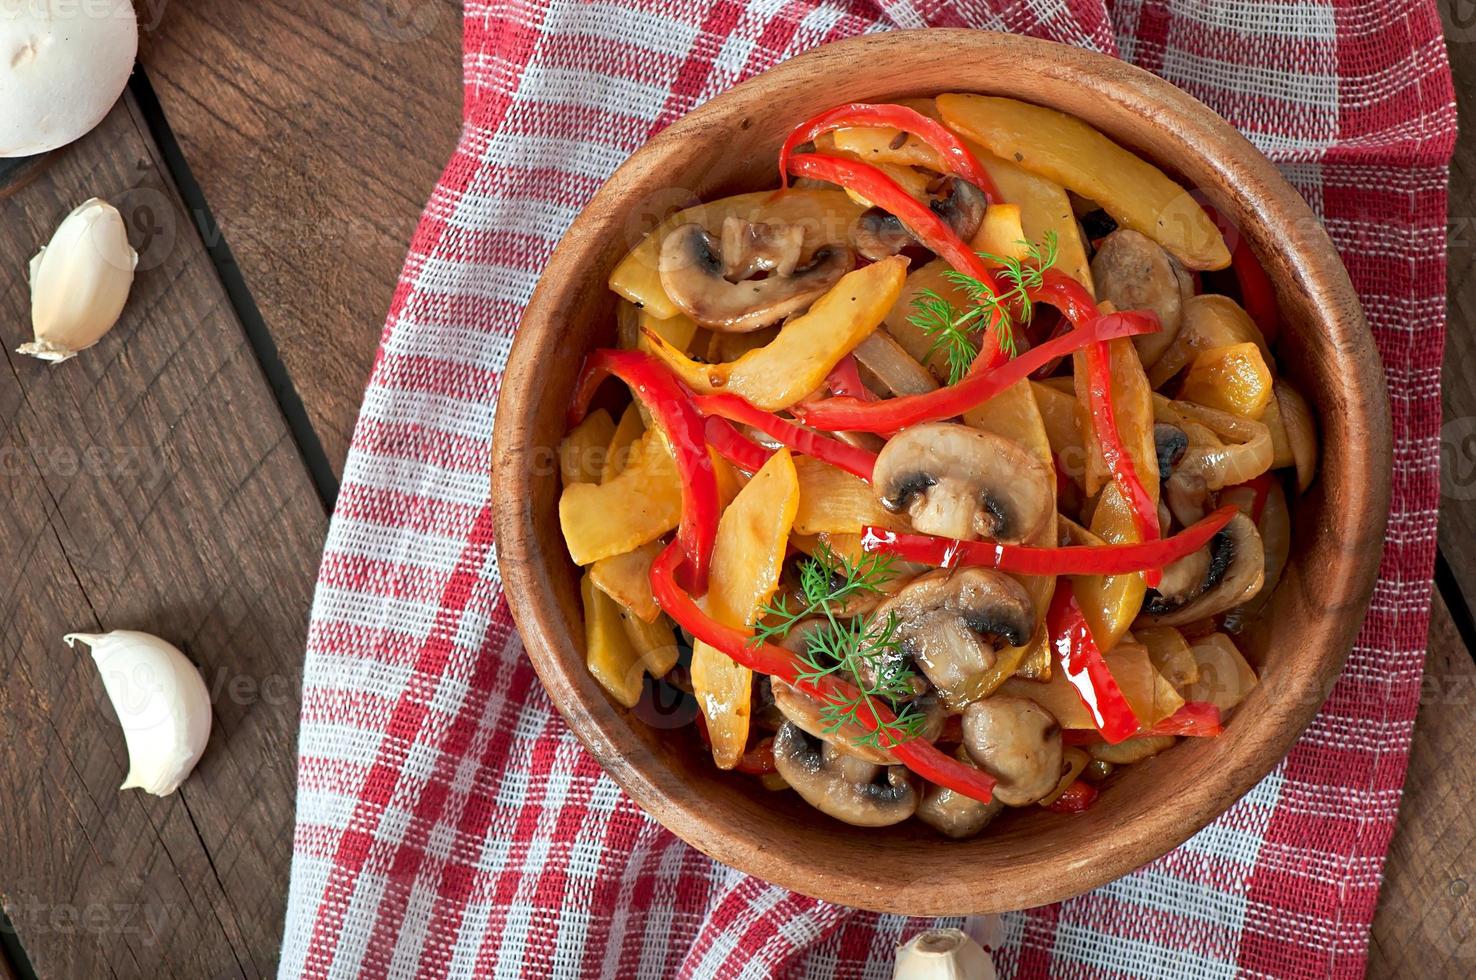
449, 824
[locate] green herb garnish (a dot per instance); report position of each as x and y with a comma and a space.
952, 331
859, 649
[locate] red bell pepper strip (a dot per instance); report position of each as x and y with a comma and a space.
921, 220
1257, 294
1072, 299
955, 156
845, 380
755, 762
1196, 719
759, 759
1114, 453
852, 459
734, 446
655, 387
1067, 295
1083, 665
1112, 559
895, 414
1076, 798
918, 755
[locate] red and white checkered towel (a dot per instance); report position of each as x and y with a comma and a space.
449, 824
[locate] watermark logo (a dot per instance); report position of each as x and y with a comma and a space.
401, 20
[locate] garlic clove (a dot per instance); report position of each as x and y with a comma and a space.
162, 704
80, 282
943, 954
62, 66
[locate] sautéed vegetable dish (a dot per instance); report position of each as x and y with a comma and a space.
945, 475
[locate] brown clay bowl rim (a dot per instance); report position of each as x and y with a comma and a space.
1288, 239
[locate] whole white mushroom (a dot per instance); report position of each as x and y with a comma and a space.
63, 63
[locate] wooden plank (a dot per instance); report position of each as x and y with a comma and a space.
316, 132
1426, 921
1458, 438
149, 484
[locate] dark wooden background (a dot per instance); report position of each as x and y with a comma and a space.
271, 159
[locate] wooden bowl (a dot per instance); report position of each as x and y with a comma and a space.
1031, 857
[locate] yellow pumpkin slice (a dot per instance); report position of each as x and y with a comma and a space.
582, 453
1170, 654
639, 505
794, 364
1111, 602
622, 442
626, 578
1066, 150
1234, 379
654, 642
1148, 693
608, 652
747, 557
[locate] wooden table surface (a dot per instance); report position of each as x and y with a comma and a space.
271, 158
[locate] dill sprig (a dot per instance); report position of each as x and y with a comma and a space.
827, 582
860, 650
952, 331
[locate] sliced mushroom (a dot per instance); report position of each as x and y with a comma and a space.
960, 482
804, 712
842, 786
693, 273
751, 247
1169, 444
1187, 497
1133, 272
766, 715
1235, 569
1131, 750
1019, 743
951, 623
1183, 579
953, 813
877, 234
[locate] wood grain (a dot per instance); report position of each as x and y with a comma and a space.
1426, 921
149, 484
1458, 384
316, 132
1033, 858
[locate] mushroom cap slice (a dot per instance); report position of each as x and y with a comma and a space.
954, 814
751, 247
1019, 743
877, 234
1183, 579
1187, 497
1133, 272
1234, 573
951, 622
1169, 444
851, 790
693, 271
803, 711
960, 482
